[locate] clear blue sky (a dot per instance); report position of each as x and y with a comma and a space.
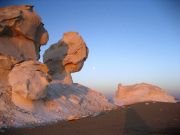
130, 41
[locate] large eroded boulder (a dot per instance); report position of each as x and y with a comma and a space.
21, 35
142, 92
29, 79
66, 56
21, 32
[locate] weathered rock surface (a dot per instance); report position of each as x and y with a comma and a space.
142, 92
29, 79
66, 56
6, 64
21, 32
63, 102
26, 94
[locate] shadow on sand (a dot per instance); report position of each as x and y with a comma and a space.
134, 125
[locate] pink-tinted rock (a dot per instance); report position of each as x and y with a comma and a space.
29, 79
6, 64
140, 93
66, 56
29, 97
21, 32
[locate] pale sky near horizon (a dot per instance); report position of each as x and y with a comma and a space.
129, 41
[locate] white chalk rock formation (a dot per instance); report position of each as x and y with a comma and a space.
29, 79
31, 92
66, 56
63, 102
142, 92
21, 32
21, 35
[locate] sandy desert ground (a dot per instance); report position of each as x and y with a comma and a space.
149, 118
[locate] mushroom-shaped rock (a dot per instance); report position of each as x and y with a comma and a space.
21, 32
140, 93
29, 80
66, 56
